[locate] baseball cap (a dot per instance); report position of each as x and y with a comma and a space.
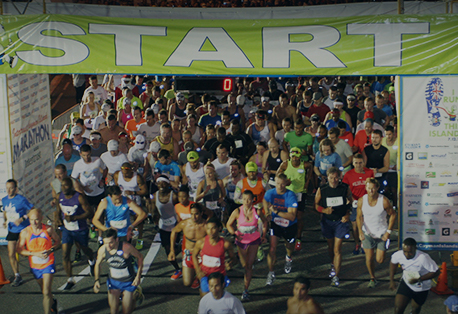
193, 156
67, 141
126, 78
338, 103
368, 115
240, 100
316, 96
295, 152
154, 147
315, 118
170, 94
180, 96
188, 146
126, 101
351, 97
106, 107
77, 130
251, 167
74, 115
452, 303
112, 145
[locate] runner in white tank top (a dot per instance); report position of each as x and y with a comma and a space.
194, 178
374, 231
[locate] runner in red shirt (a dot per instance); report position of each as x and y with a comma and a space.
356, 179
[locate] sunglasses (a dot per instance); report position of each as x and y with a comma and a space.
122, 135
260, 117
140, 143
126, 168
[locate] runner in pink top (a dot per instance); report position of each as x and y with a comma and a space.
248, 237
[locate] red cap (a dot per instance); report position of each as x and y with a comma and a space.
368, 115
126, 76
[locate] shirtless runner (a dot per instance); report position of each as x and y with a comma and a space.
301, 302
193, 230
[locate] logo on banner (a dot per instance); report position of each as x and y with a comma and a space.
430, 231
433, 94
424, 185
413, 203
413, 146
412, 231
413, 213
438, 184
422, 156
412, 175
431, 213
448, 213
430, 174
446, 174
438, 156
409, 156
445, 231
410, 185
434, 195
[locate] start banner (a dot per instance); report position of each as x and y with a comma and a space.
429, 161
361, 45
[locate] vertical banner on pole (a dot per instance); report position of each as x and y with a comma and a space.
30, 119
5, 150
429, 161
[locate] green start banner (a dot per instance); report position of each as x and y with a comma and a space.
362, 45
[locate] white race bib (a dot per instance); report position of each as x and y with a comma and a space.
211, 204
378, 175
119, 273
71, 225
39, 260
299, 197
282, 222
300, 170
334, 201
211, 261
238, 144
355, 204
272, 182
170, 221
119, 224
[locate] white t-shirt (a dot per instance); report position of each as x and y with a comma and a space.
416, 267
90, 175
113, 163
100, 94
98, 122
228, 304
222, 170
149, 132
280, 136
343, 150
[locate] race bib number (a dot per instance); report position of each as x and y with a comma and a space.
282, 222
170, 221
334, 201
211, 261
69, 210
238, 144
299, 197
325, 166
119, 224
378, 175
39, 260
12, 216
272, 182
119, 273
355, 204
300, 170
71, 225
211, 204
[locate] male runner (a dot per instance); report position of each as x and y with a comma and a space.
301, 302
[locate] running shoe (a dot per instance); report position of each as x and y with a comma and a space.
54, 306
260, 254
77, 256
91, 267
357, 250
139, 296
362, 251
245, 296
195, 283
177, 274
373, 283
92, 233
335, 281
298, 246
288, 264
17, 281
270, 278
69, 286
139, 244
332, 272
150, 220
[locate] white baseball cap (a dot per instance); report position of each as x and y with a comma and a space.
112, 145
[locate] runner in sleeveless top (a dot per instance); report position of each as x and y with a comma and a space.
133, 187
167, 142
374, 231
272, 160
261, 129
73, 210
230, 183
122, 279
261, 149
247, 236
193, 229
193, 173
164, 207
183, 207
177, 110
211, 191
299, 173
116, 208
212, 250
281, 204
36, 242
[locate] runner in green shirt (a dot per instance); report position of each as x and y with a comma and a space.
299, 138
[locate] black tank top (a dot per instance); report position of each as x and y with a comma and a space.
375, 157
273, 163
121, 269
338, 195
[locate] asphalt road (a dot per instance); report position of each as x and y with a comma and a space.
166, 296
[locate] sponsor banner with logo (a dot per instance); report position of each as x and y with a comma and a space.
357, 45
31, 139
429, 162
5, 151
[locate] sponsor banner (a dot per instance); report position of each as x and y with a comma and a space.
357, 45
5, 151
31, 139
428, 160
